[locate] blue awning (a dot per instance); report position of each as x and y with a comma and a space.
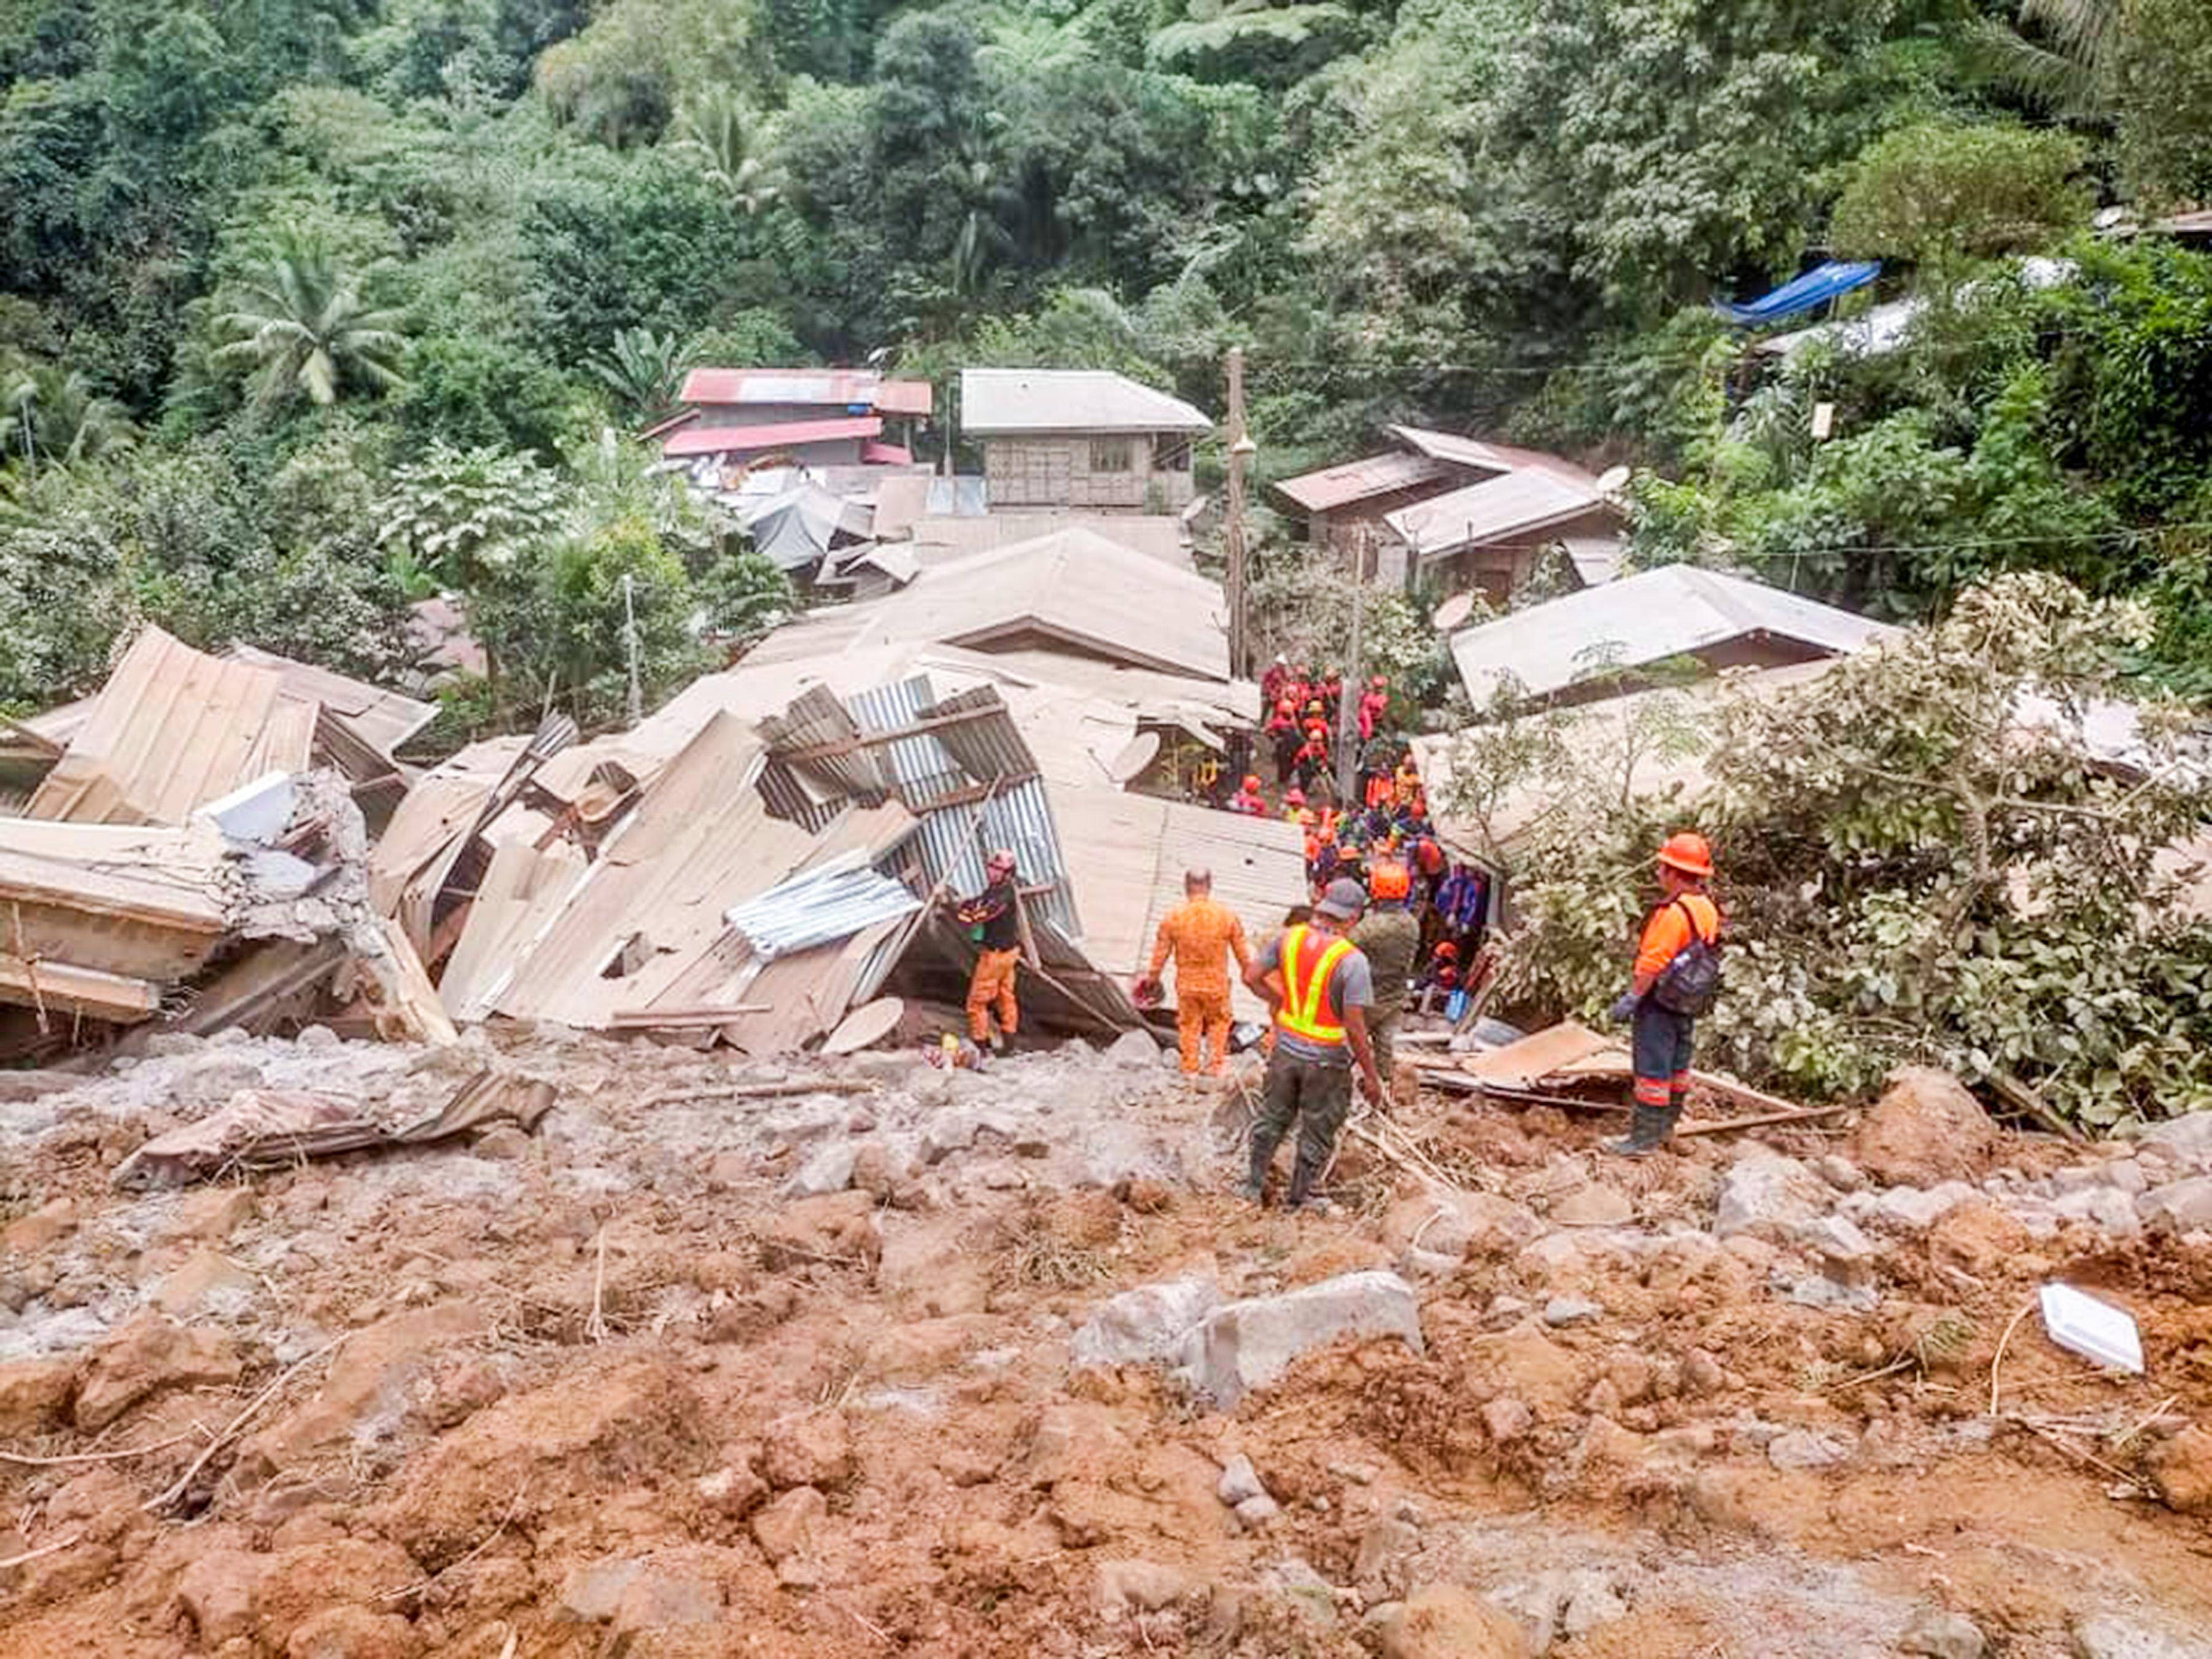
1816, 287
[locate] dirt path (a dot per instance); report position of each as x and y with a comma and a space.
686, 1375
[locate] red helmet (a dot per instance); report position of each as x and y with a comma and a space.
1251, 783
1388, 880
1294, 796
1687, 852
1378, 682
1448, 952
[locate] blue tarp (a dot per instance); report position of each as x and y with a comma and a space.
1816, 287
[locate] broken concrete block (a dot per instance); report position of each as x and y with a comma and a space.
1910, 1209
1247, 1345
1144, 1325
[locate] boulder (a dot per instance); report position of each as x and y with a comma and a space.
33, 1395
150, 1355
1126, 1587
207, 1281
1913, 1209
829, 1170
1925, 1128
1938, 1634
1766, 1194
2108, 1635
2183, 1470
815, 1450
1239, 1481
1248, 1343
1444, 1622
2188, 1137
1146, 1325
370, 1385
1455, 1224
2179, 1207
786, 1527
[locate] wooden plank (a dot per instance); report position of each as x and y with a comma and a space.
60, 987
407, 995
1745, 1095
1793, 1114
253, 992
646, 1019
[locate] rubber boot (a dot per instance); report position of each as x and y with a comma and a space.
1255, 1182
1301, 1195
1647, 1133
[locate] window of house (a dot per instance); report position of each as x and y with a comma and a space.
1113, 455
1175, 458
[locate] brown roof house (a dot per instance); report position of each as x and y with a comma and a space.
1080, 438
1473, 513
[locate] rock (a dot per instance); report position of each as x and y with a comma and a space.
506, 1142
1144, 1325
1766, 1192
1383, 1548
1597, 1205
1239, 1481
1977, 1237
1564, 1311
733, 1489
1507, 1419
217, 1593
887, 1065
1444, 1622
786, 1528
1246, 1344
213, 1213
872, 1170
1910, 1209
2183, 1470
829, 1170
33, 1395
1590, 1601
2179, 1207
593, 1592
2106, 1208
1257, 1510
1840, 1172
1134, 1048
1801, 1448
150, 1355
1941, 1635
835, 1227
1531, 1367
668, 1598
1837, 1242
2107, 1636
1457, 1224
41, 1230
2188, 1137
349, 1632
812, 1450
370, 1386
946, 1132
1925, 1128
208, 1281
1126, 1587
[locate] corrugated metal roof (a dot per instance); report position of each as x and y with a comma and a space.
1362, 480
1002, 402
385, 719
1673, 612
939, 538
1511, 507
171, 728
883, 454
819, 907
780, 435
1452, 449
827, 387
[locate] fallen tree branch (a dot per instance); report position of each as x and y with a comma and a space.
1997, 1359
26, 1460
29, 1556
182, 1484
1763, 1120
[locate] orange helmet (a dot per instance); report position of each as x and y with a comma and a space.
1448, 952
1251, 783
1687, 852
1388, 880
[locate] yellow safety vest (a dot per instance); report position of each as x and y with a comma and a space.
1305, 1011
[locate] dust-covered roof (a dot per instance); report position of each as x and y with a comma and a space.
1003, 402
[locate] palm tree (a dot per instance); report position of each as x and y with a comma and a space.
644, 369
300, 325
55, 416
2061, 54
717, 129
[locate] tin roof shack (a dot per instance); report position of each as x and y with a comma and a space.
1604, 640
1080, 438
815, 417
1506, 505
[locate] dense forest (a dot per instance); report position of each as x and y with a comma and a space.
311, 308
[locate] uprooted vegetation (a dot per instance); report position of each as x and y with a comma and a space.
1961, 846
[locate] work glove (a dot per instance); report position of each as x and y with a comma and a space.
1624, 1009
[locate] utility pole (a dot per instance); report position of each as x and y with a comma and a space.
1241, 451
1355, 674
629, 637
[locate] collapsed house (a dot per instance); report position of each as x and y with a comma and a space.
773, 849
191, 852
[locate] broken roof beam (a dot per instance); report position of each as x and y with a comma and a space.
921, 728
61, 987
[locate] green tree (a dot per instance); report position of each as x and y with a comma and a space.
724, 135
302, 326
1934, 191
644, 370
56, 418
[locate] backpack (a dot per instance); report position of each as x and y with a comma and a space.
1691, 983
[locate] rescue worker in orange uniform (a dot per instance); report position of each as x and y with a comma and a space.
1390, 938
1200, 934
1664, 1037
1319, 987
995, 919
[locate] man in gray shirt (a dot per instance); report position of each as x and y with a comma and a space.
1319, 987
